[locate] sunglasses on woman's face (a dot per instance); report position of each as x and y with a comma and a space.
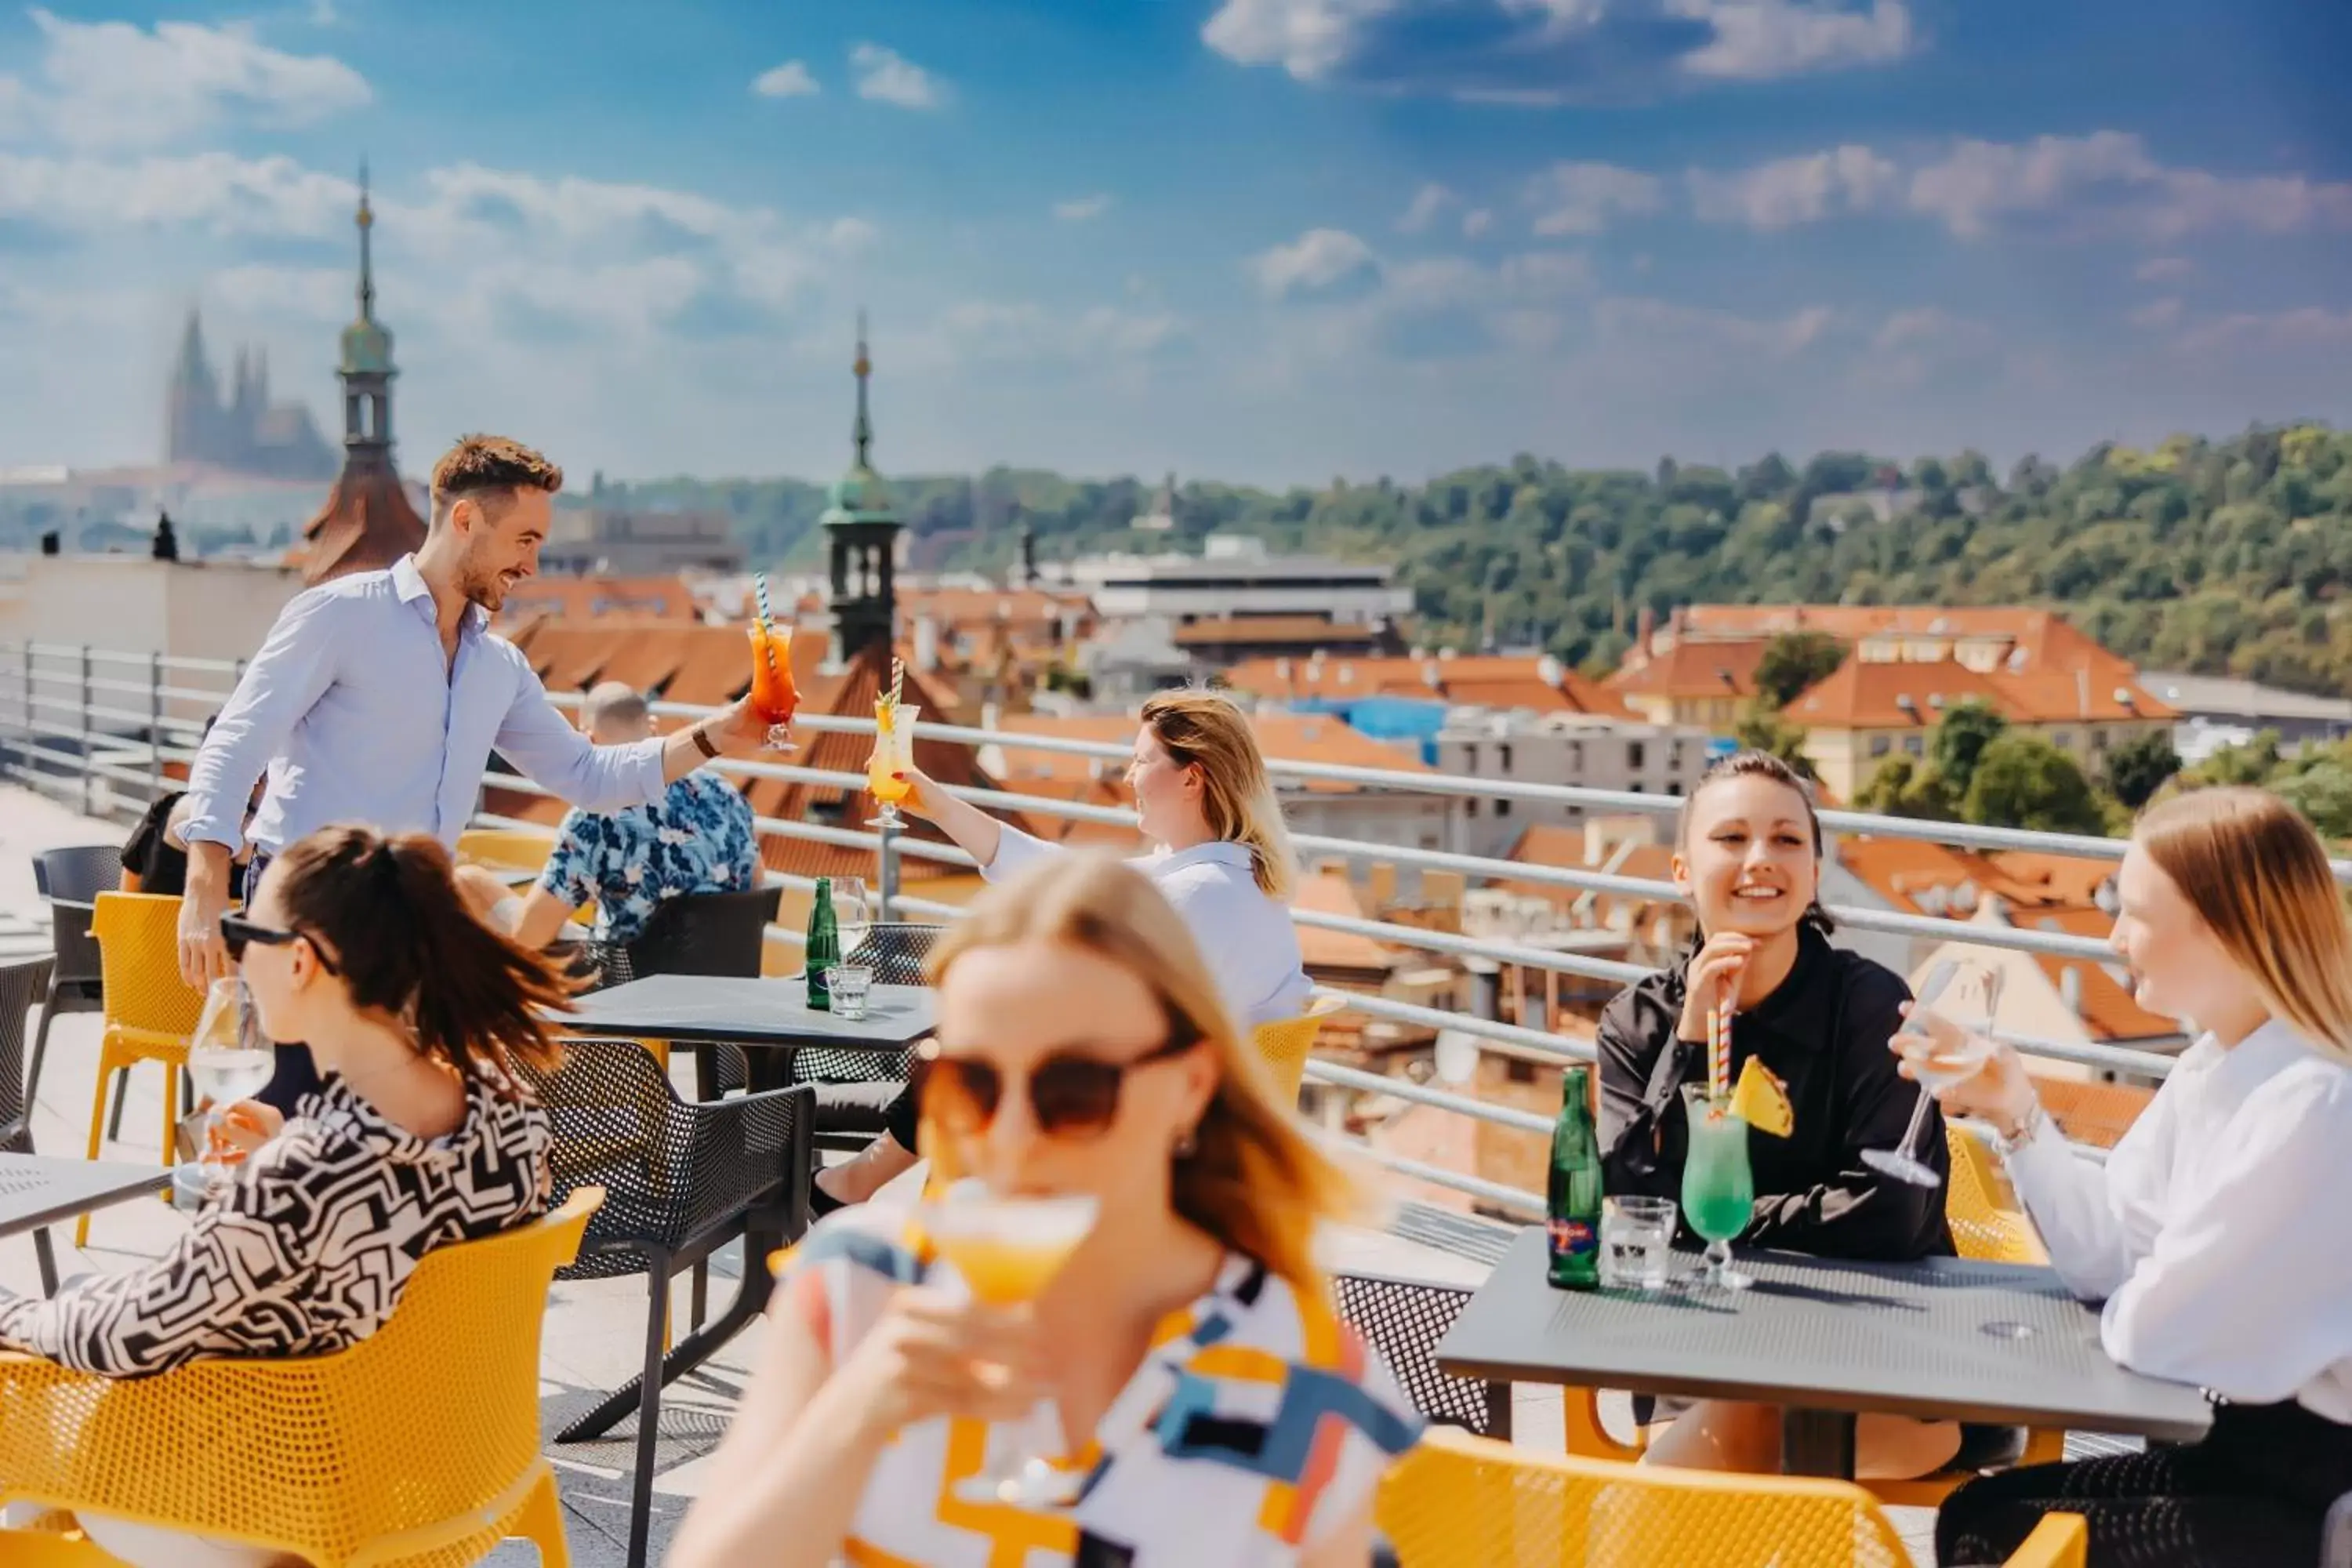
239, 932
1070, 1095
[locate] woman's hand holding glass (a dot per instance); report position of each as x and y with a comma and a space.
241, 1129
940, 1354
1999, 1091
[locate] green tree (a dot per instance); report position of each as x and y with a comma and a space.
1959, 741
2023, 781
2254, 762
1761, 729
1794, 661
1904, 787
2322, 791
2139, 767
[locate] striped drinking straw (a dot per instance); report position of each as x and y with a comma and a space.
759, 593
1718, 1052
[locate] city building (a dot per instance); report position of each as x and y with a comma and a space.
614, 541
1706, 684
2216, 713
2017, 639
242, 431
1235, 577
1537, 682
370, 520
588, 598
1581, 750
1866, 713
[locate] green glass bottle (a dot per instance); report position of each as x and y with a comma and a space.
823, 950
1573, 1204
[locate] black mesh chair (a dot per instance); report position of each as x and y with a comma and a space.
680, 1180
854, 1088
699, 933
71, 881
22, 984
1403, 1320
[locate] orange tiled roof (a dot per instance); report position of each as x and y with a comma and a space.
1305, 632
1328, 893
367, 523
1486, 680
582, 598
2044, 634
1873, 696
1691, 670
2107, 1010
1290, 737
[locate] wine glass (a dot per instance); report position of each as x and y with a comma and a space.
1963, 997
228, 1058
894, 759
853, 916
1718, 1189
1007, 1250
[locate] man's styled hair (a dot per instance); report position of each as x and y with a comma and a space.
484, 466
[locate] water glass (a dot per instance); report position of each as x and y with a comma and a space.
851, 985
1636, 1236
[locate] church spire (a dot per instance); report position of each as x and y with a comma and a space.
862, 433
862, 526
366, 221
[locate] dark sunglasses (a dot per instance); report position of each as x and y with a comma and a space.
239, 932
1071, 1095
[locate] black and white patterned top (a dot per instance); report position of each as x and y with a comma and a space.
308, 1248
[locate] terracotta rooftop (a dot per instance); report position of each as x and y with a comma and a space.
1483, 681
1692, 670
1887, 696
1292, 737
367, 523
1304, 632
1329, 893
2045, 638
584, 598
1909, 875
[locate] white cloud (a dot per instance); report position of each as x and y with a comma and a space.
2301, 329
790, 79
1306, 37
1318, 263
989, 330
851, 236
1659, 323
1427, 203
113, 84
1927, 326
1079, 209
321, 295
1789, 191
2164, 269
1476, 222
216, 191
1581, 198
1762, 39
2156, 315
885, 76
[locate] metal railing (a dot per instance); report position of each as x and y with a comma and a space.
98, 727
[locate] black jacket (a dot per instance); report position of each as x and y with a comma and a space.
1824, 1032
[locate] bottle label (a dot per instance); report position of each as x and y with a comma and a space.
1574, 1237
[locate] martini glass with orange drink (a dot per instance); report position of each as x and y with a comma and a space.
1007, 1250
772, 691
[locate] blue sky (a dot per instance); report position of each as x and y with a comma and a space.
1273, 241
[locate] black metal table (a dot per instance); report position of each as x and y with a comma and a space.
37, 1190
772, 1019
1944, 1339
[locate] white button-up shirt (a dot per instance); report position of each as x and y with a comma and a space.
2220, 1231
1247, 939
359, 716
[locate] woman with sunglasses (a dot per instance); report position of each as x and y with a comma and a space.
1221, 856
419, 1137
1082, 1049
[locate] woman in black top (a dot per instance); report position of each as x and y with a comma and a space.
1748, 858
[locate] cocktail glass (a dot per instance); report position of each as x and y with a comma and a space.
894, 759
772, 691
1007, 1250
1955, 1010
1718, 1189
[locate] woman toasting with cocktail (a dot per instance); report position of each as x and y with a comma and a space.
1153, 1209
1765, 985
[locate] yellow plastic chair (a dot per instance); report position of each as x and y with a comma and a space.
418, 1448
1459, 1502
1284, 1045
1982, 1228
149, 1011
520, 848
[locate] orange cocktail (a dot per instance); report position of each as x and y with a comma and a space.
772, 691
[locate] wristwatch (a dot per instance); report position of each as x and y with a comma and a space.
702, 742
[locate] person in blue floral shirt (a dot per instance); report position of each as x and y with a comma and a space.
700, 839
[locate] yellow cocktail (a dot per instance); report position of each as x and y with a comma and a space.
894, 759
1005, 1270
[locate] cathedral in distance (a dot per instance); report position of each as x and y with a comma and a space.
242, 432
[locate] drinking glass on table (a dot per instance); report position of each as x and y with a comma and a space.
1718, 1189
894, 759
1636, 1234
851, 985
1007, 1250
1955, 1011
853, 916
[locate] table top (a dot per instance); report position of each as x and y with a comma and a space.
38, 1190
767, 1012
1943, 1338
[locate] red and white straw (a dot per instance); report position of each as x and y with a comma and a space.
1718, 1052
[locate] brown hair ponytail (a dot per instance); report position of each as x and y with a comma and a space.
407, 946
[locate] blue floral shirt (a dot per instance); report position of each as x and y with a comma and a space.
700, 839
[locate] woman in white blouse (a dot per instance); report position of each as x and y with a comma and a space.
1221, 856
2220, 1231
